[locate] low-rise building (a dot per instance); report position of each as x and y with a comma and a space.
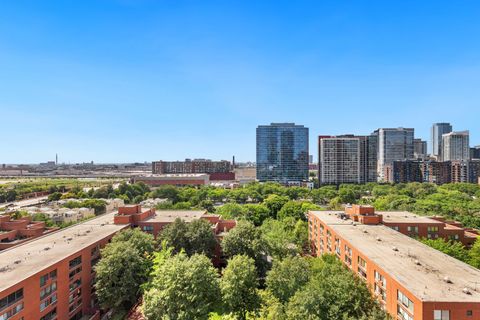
180, 180
14, 232
412, 281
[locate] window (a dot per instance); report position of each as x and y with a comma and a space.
441, 315
74, 285
469, 313
51, 315
402, 314
53, 274
74, 272
380, 279
403, 299
48, 290
394, 228
10, 313
75, 262
148, 228
43, 280
11, 299
362, 267
412, 229
48, 301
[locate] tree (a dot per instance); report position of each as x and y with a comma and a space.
274, 203
246, 239
54, 196
166, 192
332, 293
231, 211
292, 209
182, 288
474, 254
200, 238
239, 286
139, 240
119, 274
193, 237
287, 276
280, 238
256, 213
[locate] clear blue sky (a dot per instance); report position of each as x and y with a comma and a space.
132, 80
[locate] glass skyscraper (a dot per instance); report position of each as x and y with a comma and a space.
282, 153
437, 131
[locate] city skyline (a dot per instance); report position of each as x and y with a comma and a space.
85, 79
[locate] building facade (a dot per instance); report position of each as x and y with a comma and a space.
191, 166
410, 280
346, 159
456, 146
393, 144
282, 153
419, 149
437, 131
52, 277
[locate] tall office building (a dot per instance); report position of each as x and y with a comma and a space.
393, 144
345, 159
419, 149
475, 152
456, 146
282, 152
437, 131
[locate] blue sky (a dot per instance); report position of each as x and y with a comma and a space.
133, 80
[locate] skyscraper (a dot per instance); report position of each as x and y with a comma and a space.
393, 144
346, 159
456, 146
282, 152
439, 129
419, 149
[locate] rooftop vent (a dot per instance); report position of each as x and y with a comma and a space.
69, 239
447, 279
395, 249
466, 291
417, 263
378, 239
17, 261
46, 248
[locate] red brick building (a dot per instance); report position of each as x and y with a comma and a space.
410, 280
15, 232
153, 222
51, 277
178, 180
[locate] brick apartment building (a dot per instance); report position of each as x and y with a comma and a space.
51, 277
178, 180
217, 170
153, 222
15, 232
411, 280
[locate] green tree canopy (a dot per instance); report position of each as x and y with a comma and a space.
182, 288
239, 286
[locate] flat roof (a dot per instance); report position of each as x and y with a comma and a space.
25, 260
425, 281
405, 217
170, 215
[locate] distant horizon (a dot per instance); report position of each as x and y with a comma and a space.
119, 81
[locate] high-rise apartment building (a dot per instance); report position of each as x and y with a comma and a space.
345, 159
437, 131
419, 149
282, 153
456, 146
393, 144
